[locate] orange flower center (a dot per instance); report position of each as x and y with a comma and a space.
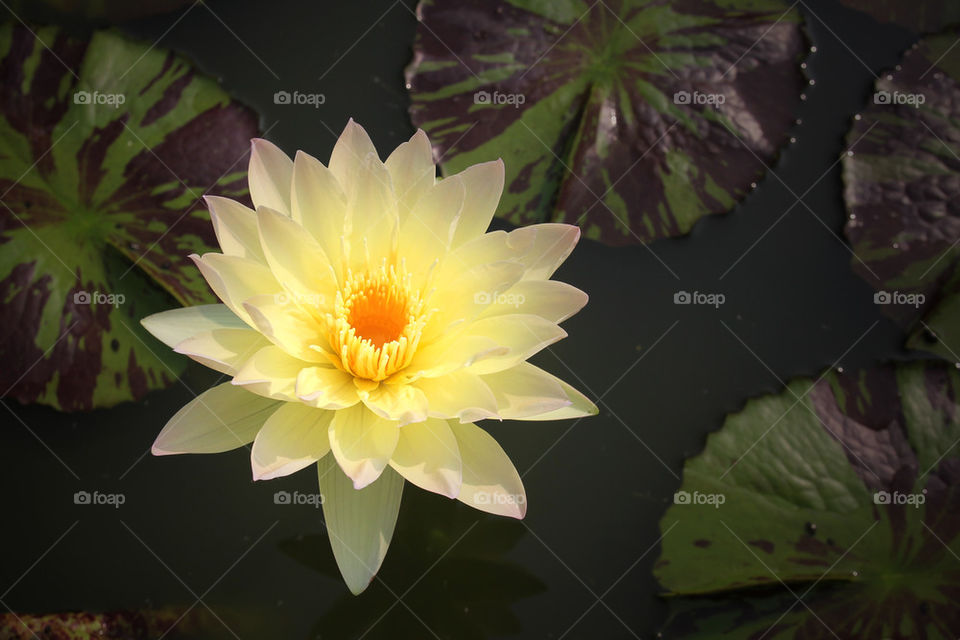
378, 318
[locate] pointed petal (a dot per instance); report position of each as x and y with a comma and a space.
525, 390
580, 406
412, 170
270, 174
219, 419
235, 280
484, 185
459, 394
296, 260
319, 205
428, 456
522, 334
359, 523
549, 299
552, 243
326, 388
293, 438
288, 326
348, 155
490, 481
428, 230
224, 350
399, 402
372, 218
176, 325
271, 373
362, 443
236, 228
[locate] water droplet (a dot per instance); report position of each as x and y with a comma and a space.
850, 153
803, 96
813, 49
855, 573
856, 117
753, 185
896, 245
803, 65
811, 528
839, 369
792, 140
853, 216
812, 82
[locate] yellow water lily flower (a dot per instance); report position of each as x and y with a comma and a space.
368, 321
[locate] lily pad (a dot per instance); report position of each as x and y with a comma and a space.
922, 16
108, 146
632, 118
121, 625
902, 190
844, 492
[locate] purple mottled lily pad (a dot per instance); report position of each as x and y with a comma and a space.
119, 625
845, 490
107, 148
631, 118
902, 190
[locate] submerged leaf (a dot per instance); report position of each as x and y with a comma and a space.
845, 490
632, 118
108, 146
902, 189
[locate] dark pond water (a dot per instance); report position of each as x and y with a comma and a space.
198, 527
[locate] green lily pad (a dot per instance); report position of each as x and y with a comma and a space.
844, 492
632, 118
108, 146
902, 190
922, 16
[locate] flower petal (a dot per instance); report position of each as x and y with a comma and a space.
326, 388
484, 185
467, 296
236, 279
288, 326
522, 334
490, 481
269, 176
362, 443
525, 390
400, 402
271, 373
319, 205
428, 456
372, 223
176, 325
293, 438
427, 231
224, 350
348, 155
550, 299
412, 170
459, 394
580, 406
552, 243
236, 228
446, 355
296, 260
219, 419
359, 523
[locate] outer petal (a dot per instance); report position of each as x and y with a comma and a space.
400, 402
326, 388
270, 174
449, 354
219, 419
293, 438
176, 325
297, 261
579, 407
552, 243
271, 373
372, 223
235, 280
484, 185
525, 390
412, 170
319, 205
428, 456
490, 481
362, 443
522, 334
427, 231
288, 326
549, 299
459, 394
236, 228
224, 350
359, 523
348, 155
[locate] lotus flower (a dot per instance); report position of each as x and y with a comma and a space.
368, 322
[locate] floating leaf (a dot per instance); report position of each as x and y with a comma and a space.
633, 118
107, 147
849, 488
902, 189
922, 16
121, 625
